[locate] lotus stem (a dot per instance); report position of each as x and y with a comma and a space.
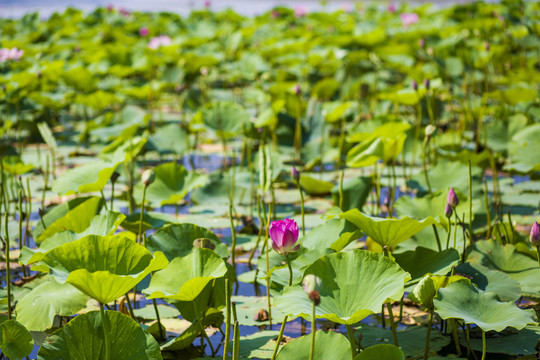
470, 204
204, 335
129, 306
302, 208
350, 334
455, 336
28, 211
161, 335
538, 254
236, 347
8, 275
139, 235
424, 165
401, 309
392, 323
313, 331
428, 335
227, 320
104, 199
106, 335
340, 189
233, 234
488, 213
268, 268
46, 182
278, 341
437, 237
21, 225
288, 261
112, 194
455, 227
483, 345
259, 235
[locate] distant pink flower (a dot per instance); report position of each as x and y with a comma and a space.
158, 41
110, 7
407, 19
348, 7
207, 3
300, 11
392, 8
10, 54
143, 31
123, 11
275, 14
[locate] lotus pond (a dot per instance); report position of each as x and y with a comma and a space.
352, 184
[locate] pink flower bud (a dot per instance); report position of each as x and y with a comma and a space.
284, 235
295, 174
452, 198
143, 31
535, 234
448, 211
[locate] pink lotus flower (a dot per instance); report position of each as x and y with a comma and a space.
284, 235
10, 54
207, 4
408, 19
275, 14
158, 41
392, 8
348, 7
143, 31
300, 11
123, 11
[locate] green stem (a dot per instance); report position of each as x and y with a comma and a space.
227, 320
268, 267
290, 269
488, 212
161, 334
455, 227
313, 331
392, 323
46, 183
424, 166
106, 335
538, 256
483, 345
455, 336
236, 346
130, 307
8, 274
437, 237
302, 208
139, 235
233, 233
449, 232
350, 333
470, 204
203, 332
104, 200
112, 195
428, 335
278, 341
341, 189
21, 224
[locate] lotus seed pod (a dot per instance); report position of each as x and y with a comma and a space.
148, 177
315, 297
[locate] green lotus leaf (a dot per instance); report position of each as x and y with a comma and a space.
171, 185
75, 215
354, 285
507, 259
90, 177
427, 288
185, 278
176, 240
381, 352
170, 138
447, 174
387, 232
355, 192
334, 234
103, 267
424, 261
506, 288
37, 309
226, 118
15, 166
465, 301
328, 345
83, 338
15, 340
313, 186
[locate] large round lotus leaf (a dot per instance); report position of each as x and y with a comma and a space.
513, 342
75, 215
171, 185
314, 186
381, 352
185, 278
463, 301
354, 285
505, 258
103, 267
83, 339
176, 240
387, 232
506, 288
328, 345
226, 118
15, 340
447, 174
355, 192
334, 234
424, 261
37, 309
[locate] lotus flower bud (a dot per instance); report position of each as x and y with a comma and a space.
414, 85
486, 46
148, 177
115, 175
452, 198
421, 42
448, 211
295, 174
310, 283
535, 234
430, 130
426, 84
297, 90
284, 235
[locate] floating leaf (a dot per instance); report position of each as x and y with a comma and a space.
328, 345
15, 340
381, 352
